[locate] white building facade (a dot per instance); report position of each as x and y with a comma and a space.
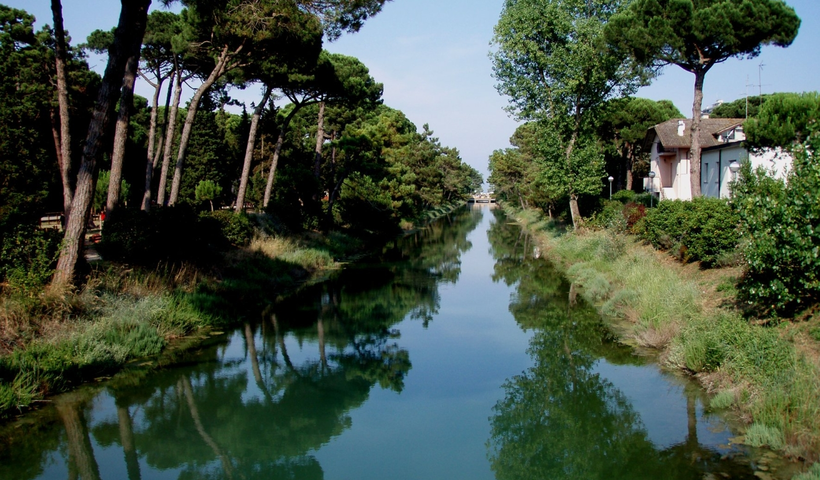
721, 142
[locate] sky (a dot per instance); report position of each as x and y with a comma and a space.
432, 57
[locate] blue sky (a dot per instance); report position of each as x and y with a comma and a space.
432, 56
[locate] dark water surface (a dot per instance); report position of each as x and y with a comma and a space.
455, 355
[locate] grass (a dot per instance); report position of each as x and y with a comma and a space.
765, 373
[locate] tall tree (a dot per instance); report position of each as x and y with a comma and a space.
61, 59
551, 60
158, 65
241, 32
626, 121
129, 33
696, 35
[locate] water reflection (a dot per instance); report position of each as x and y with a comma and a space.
262, 402
561, 418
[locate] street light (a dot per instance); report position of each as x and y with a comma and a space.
651, 189
734, 167
610, 186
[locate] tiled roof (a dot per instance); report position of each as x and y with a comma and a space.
709, 130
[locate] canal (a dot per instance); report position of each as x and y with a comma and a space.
456, 353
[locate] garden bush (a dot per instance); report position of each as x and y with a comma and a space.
235, 228
28, 255
780, 224
704, 229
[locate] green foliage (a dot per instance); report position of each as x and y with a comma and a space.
235, 227
696, 36
723, 400
747, 107
784, 121
780, 225
759, 435
172, 233
624, 196
27, 100
701, 230
207, 190
101, 190
28, 256
553, 64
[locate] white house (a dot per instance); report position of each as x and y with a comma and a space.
721, 143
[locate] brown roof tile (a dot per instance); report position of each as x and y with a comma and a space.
709, 129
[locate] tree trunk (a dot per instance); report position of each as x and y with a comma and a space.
275, 161
336, 184
130, 31
64, 154
151, 157
218, 71
320, 140
577, 221
121, 130
246, 166
170, 131
575, 213
630, 162
694, 151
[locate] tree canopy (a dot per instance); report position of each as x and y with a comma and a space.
696, 36
553, 63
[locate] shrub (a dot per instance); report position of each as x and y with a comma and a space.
704, 229
633, 213
28, 255
169, 233
236, 228
611, 217
624, 196
780, 224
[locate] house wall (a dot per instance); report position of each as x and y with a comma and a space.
672, 174
716, 175
715, 172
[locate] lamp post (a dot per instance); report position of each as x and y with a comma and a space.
610, 186
734, 167
651, 189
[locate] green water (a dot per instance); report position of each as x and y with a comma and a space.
455, 354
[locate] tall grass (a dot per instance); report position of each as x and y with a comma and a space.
756, 369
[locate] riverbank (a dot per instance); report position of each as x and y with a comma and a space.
768, 375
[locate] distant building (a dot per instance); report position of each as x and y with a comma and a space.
721, 144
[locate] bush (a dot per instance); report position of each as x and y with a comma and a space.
780, 224
28, 255
624, 196
611, 217
174, 233
236, 228
704, 229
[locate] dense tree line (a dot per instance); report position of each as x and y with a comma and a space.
317, 150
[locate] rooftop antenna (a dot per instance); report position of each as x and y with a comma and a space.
760, 77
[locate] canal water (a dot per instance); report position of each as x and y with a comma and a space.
456, 353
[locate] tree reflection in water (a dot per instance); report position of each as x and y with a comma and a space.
560, 419
261, 414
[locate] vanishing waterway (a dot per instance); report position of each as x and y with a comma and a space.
456, 354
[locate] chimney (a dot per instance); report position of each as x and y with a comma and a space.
681, 127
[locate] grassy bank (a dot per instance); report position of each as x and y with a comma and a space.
768, 375
122, 314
